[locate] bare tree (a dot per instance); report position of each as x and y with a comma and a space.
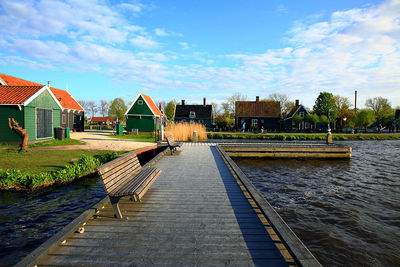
215, 109
92, 107
21, 132
283, 99
84, 104
104, 106
232, 99
382, 109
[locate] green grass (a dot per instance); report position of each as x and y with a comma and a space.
51, 142
302, 136
36, 161
139, 137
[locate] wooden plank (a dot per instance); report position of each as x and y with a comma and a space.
291, 155
286, 149
294, 244
110, 165
126, 166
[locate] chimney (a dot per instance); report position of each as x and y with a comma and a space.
48, 84
204, 101
257, 99
355, 101
159, 107
183, 102
297, 103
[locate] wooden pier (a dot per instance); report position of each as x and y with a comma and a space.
201, 211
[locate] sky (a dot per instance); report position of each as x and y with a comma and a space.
179, 49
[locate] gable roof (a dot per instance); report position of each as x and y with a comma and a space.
65, 99
149, 102
22, 95
103, 119
14, 81
294, 110
201, 111
271, 109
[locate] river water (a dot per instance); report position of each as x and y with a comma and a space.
347, 212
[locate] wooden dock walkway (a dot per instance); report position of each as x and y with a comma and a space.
197, 213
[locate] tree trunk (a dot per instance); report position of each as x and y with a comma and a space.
21, 132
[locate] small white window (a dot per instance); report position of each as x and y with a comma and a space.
64, 119
192, 115
140, 102
301, 114
254, 122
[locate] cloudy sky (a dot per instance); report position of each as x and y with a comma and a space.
190, 49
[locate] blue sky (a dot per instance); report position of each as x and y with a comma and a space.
195, 49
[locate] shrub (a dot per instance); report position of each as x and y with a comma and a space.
183, 131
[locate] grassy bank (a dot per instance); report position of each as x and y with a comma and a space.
302, 136
51, 142
138, 137
39, 168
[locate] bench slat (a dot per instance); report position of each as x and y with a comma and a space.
142, 191
110, 165
128, 187
128, 167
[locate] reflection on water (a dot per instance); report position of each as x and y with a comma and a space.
26, 223
346, 212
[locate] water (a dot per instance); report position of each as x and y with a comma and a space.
26, 223
347, 212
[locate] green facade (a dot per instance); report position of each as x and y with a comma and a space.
6, 111
140, 117
27, 117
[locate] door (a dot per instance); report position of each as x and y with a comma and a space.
44, 123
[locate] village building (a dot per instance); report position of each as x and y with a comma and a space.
35, 108
103, 120
72, 114
144, 115
195, 113
257, 115
289, 124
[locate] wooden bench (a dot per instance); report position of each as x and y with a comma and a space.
172, 144
124, 176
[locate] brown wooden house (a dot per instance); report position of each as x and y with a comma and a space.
258, 114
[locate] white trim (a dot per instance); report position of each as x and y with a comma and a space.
142, 115
133, 103
295, 113
2, 82
44, 88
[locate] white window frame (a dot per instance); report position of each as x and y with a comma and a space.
301, 114
63, 118
140, 102
254, 122
192, 114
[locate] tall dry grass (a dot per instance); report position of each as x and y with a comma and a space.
183, 131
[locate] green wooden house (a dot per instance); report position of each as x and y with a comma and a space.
35, 108
143, 115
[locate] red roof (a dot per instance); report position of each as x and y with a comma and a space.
17, 94
153, 106
13, 81
65, 99
105, 119
269, 108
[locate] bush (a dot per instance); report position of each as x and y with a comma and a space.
15, 179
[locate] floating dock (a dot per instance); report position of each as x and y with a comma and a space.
201, 211
288, 150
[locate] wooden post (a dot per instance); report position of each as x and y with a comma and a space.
21, 132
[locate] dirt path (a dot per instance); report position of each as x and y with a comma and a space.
99, 140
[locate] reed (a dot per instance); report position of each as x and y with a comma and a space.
183, 131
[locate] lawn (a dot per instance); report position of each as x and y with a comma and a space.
138, 137
52, 142
42, 160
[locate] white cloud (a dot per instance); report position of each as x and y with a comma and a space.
184, 45
144, 42
160, 32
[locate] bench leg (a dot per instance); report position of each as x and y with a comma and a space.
114, 203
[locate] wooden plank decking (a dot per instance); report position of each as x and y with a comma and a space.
196, 213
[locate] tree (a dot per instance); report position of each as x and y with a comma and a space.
232, 99
21, 132
92, 107
382, 109
325, 105
342, 105
170, 110
297, 119
84, 104
104, 105
118, 109
283, 99
313, 119
365, 118
324, 119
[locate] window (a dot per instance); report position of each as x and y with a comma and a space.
64, 119
301, 114
192, 115
140, 102
254, 123
307, 125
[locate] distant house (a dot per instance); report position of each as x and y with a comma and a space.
103, 120
72, 114
194, 113
258, 114
289, 124
143, 115
35, 108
